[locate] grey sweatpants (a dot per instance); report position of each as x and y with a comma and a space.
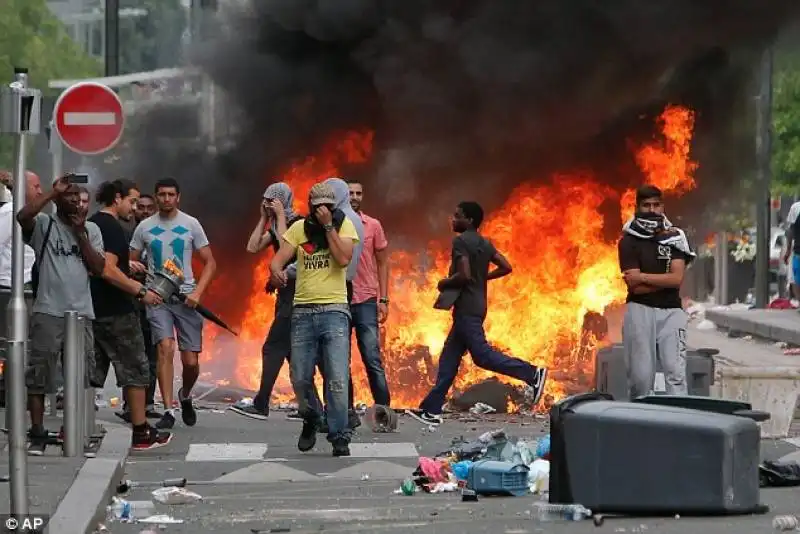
650, 335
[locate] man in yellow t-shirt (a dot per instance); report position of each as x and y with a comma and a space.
323, 243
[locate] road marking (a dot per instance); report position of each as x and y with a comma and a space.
263, 473
226, 452
85, 118
375, 470
383, 450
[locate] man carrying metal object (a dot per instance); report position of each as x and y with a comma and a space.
68, 250
145, 207
117, 331
173, 233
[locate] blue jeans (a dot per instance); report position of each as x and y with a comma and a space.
467, 334
322, 330
365, 323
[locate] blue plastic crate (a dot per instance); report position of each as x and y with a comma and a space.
490, 477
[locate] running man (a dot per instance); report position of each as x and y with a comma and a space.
465, 292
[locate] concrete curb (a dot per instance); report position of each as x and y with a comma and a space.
84, 505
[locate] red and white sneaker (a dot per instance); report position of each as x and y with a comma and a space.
150, 439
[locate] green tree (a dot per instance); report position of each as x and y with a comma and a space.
32, 37
154, 40
786, 124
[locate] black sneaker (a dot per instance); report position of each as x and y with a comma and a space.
424, 417
152, 413
250, 411
38, 442
167, 421
150, 439
188, 413
353, 420
294, 415
124, 415
341, 447
308, 437
537, 385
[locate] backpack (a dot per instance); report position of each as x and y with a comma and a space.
39, 256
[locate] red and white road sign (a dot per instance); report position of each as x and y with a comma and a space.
89, 118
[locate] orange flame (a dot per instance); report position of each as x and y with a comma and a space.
551, 234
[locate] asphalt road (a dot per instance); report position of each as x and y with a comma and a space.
253, 479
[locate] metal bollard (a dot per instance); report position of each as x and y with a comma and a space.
74, 435
88, 396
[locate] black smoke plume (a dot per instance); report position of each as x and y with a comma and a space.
467, 98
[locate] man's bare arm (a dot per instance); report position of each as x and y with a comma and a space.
382, 259
460, 278
27, 215
209, 269
672, 279
341, 249
259, 239
503, 267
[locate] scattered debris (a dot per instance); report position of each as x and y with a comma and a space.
785, 522
381, 419
481, 408
175, 495
779, 474
705, 324
161, 519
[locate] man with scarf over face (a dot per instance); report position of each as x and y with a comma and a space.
277, 215
323, 244
653, 256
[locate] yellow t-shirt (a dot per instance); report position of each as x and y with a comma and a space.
320, 280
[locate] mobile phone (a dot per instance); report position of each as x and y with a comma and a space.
78, 178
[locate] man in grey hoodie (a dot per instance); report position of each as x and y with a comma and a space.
341, 193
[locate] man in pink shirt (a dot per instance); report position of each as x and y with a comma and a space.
369, 305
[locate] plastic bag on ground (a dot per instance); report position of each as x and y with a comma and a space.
481, 408
175, 495
461, 469
543, 448
539, 477
161, 519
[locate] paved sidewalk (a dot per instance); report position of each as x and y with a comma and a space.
49, 477
73, 492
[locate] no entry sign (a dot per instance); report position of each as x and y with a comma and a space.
89, 118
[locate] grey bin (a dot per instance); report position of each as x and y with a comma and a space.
611, 375
645, 459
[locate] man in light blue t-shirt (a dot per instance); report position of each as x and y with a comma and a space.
171, 234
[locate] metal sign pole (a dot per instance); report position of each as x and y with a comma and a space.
20, 115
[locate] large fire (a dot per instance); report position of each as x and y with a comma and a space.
552, 235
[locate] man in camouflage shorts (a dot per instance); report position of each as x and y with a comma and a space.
117, 331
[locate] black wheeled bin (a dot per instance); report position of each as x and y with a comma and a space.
644, 459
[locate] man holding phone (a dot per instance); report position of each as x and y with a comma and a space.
68, 249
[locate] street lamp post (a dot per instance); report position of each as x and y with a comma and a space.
20, 116
763, 178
